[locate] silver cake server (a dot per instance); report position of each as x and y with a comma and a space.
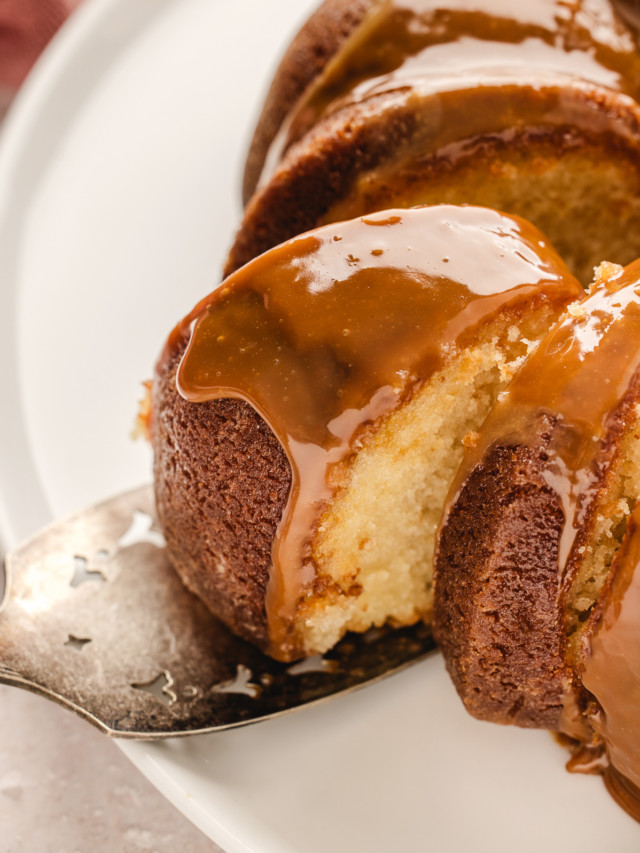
94, 617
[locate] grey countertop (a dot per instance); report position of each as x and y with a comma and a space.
66, 788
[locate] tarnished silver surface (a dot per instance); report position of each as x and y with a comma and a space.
95, 618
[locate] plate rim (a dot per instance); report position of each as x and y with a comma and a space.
21, 518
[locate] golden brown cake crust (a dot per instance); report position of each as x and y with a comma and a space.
223, 476
318, 40
497, 618
222, 480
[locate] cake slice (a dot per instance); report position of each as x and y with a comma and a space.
538, 549
309, 415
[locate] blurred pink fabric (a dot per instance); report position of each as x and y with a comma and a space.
26, 26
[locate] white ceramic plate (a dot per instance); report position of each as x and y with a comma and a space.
119, 193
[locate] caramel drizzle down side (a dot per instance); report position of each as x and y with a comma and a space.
330, 331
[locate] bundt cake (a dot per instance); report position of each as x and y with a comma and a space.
536, 602
309, 415
527, 108
370, 360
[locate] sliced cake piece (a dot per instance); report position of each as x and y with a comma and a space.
308, 416
527, 605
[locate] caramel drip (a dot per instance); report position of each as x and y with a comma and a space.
566, 395
415, 45
330, 331
611, 666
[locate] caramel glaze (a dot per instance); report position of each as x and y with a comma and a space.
418, 46
573, 384
610, 670
332, 330
570, 394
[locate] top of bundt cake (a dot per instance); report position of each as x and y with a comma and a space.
529, 109
409, 42
369, 348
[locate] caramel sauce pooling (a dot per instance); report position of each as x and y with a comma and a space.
330, 331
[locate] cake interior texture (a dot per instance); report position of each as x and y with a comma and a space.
607, 525
374, 544
581, 189
222, 481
